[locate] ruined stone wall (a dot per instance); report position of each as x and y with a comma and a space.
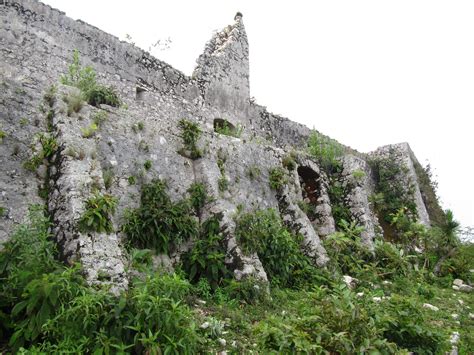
36, 46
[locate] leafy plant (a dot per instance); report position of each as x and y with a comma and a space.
89, 131
108, 176
147, 165
358, 174
97, 215
325, 149
49, 146
226, 129
190, 133
197, 196
207, 257
84, 78
262, 232
289, 162
223, 184
277, 178
159, 222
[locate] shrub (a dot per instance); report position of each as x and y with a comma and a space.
358, 174
289, 162
226, 129
206, 259
147, 165
262, 232
222, 184
49, 146
190, 133
97, 215
325, 149
89, 131
277, 178
197, 196
74, 102
158, 223
99, 95
84, 78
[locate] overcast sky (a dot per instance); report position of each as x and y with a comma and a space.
367, 73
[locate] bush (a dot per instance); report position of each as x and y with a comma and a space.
262, 232
49, 146
97, 215
277, 178
190, 133
326, 150
206, 259
84, 78
197, 196
159, 223
103, 95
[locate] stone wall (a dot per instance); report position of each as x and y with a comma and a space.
36, 46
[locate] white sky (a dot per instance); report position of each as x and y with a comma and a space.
367, 73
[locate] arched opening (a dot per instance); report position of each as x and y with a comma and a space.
222, 126
310, 189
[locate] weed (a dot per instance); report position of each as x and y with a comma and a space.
75, 102
108, 176
223, 184
253, 172
325, 149
132, 180
89, 131
147, 165
207, 257
198, 196
289, 162
3, 134
97, 215
278, 178
24, 121
358, 175
158, 223
100, 117
3, 211
190, 133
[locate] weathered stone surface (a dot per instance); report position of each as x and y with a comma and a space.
405, 158
356, 177
36, 46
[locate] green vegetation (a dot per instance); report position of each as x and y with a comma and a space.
3, 211
46, 307
97, 215
325, 149
198, 196
49, 146
108, 176
3, 134
206, 259
289, 162
277, 178
75, 102
190, 133
159, 223
147, 165
84, 78
253, 172
226, 129
358, 175
262, 232
89, 131
99, 117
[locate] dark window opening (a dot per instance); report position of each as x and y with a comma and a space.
140, 93
223, 126
310, 189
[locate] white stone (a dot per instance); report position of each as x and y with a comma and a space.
455, 316
458, 282
430, 306
349, 281
359, 294
454, 338
466, 288
205, 325
377, 299
222, 341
